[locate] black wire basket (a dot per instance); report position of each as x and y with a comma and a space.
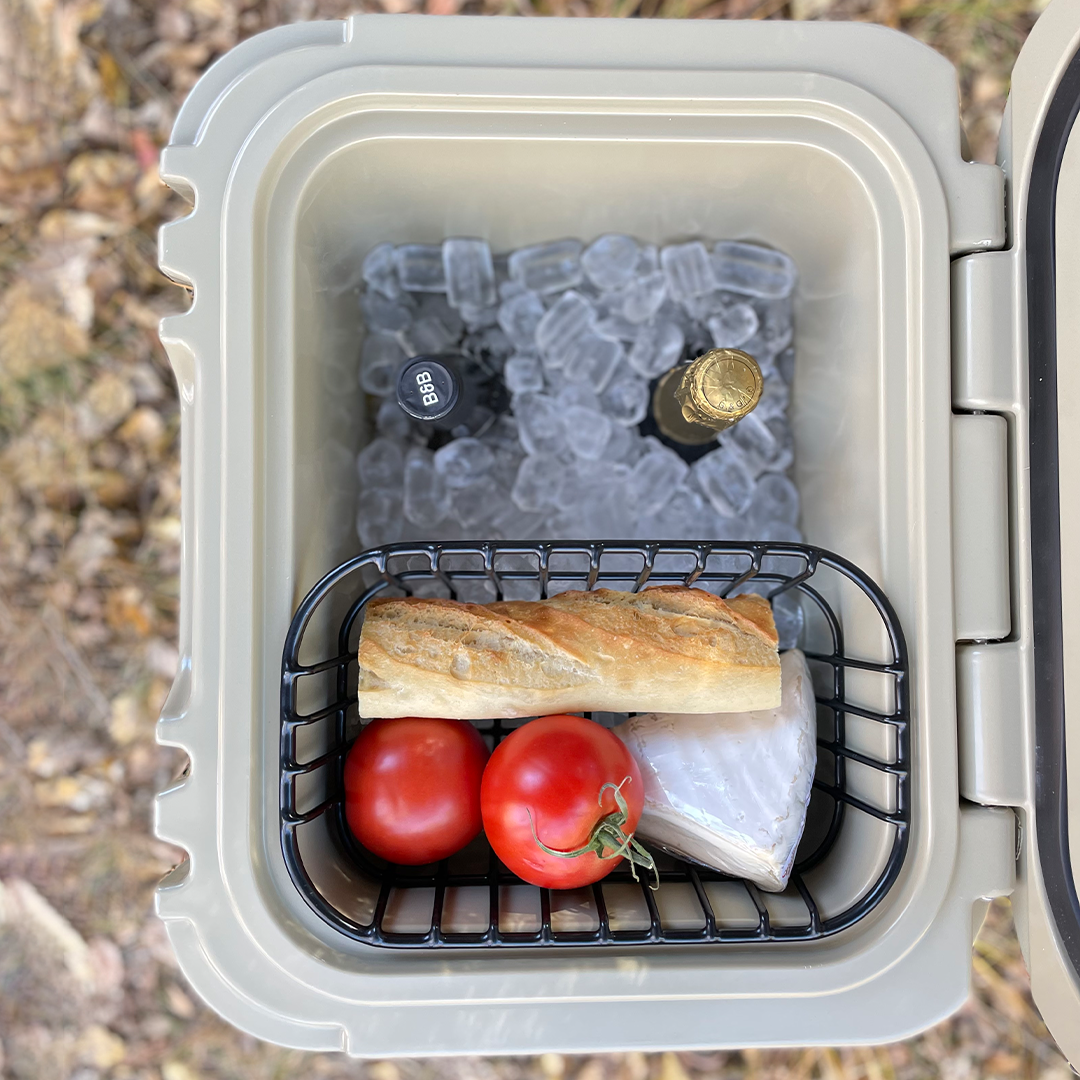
471, 900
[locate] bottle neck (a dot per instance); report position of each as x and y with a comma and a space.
669, 416
451, 393
694, 402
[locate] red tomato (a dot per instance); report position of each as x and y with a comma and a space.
412, 788
558, 775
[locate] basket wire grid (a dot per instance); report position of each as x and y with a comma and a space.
517, 568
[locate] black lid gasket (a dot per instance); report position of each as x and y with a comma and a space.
1051, 795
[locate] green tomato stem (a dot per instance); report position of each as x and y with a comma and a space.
608, 840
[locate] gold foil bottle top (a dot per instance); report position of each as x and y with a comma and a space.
694, 401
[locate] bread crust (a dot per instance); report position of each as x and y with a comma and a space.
668, 648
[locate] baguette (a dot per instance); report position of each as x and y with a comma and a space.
667, 649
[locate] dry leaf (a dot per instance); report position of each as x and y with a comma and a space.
101, 1048
35, 333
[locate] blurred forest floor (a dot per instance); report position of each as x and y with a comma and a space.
89, 555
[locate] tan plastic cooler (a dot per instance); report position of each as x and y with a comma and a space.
936, 409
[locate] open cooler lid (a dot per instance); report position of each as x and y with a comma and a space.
1041, 155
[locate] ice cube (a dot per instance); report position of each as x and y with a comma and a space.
523, 374
494, 344
683, 517
766, 445
775, 318
752, 269
428, 337
479, 318
507, 462
776, 499
378, 518
538, 481
587, 432
463, 461
426, 588
507, 289
380, 464
577, 394
753, 437
698, 340
774, 398
657, 348
540, 425
378, 271
626, 399
642, 298
600, 511
648, 261
434, 305
554, 381
475, 505
475, 591
381, 358
610, 261
519, 316
392, 421
702, 308
616, 327
726, 479
622, 445
688, 269
788, 615
420, 267
733, 326
388, 316
656, 477
780, 532
502, 436
512, 523
548, 268
585, 481
731, 528
561, 325
785, 365
470, 274
593, 360
427, 498
759, 349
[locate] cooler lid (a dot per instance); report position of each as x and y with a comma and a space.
1041, 155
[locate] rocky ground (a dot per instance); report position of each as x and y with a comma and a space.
89, 534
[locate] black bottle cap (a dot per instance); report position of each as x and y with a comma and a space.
428, 387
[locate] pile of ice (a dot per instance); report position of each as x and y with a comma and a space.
577, 334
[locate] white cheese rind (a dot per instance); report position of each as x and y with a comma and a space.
730, 790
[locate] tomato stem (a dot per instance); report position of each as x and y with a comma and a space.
608, 840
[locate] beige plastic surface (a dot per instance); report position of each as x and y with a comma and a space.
980, 506
303, 148
1038, 70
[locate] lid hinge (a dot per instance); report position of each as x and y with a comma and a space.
990, 671
980, 509
992, 735
984, 302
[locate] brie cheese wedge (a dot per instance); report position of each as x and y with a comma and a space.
730, 790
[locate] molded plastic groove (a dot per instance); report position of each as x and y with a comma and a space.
178, 249
581, 565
